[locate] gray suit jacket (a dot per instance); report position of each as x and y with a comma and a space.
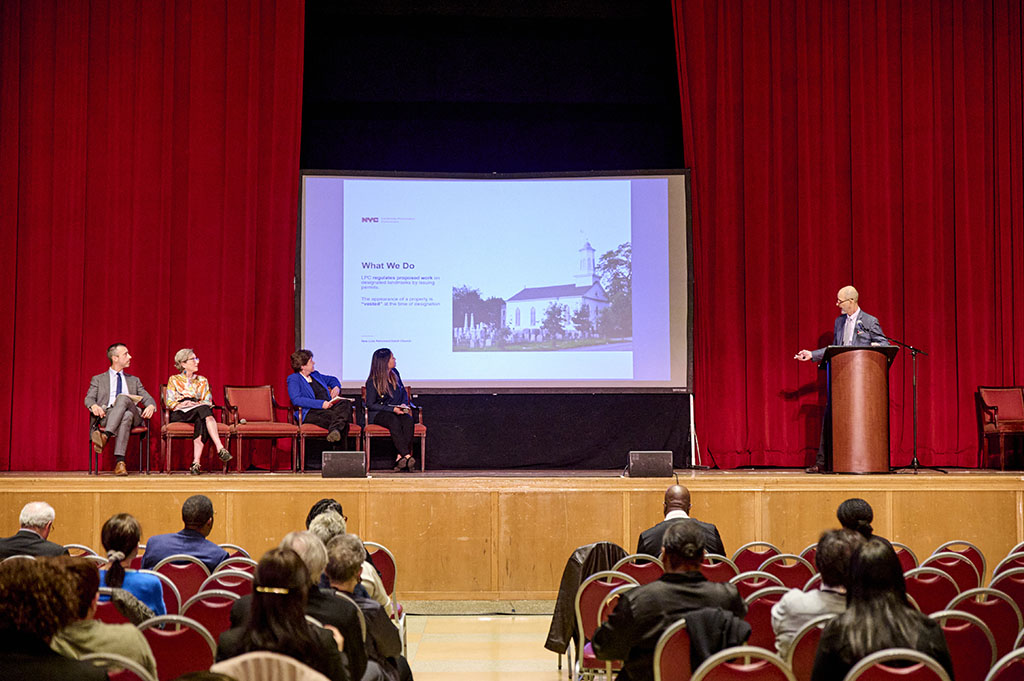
99, 392
867, 332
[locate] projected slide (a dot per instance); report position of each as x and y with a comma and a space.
552, 282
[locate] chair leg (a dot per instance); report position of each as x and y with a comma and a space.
302, 455
423, 453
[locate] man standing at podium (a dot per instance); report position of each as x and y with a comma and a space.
853, 326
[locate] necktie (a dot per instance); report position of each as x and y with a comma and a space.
118, 390
848, 332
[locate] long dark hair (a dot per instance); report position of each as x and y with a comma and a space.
120, 536
381, 376
277, 621
878, 614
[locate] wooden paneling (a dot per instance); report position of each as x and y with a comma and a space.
500, 538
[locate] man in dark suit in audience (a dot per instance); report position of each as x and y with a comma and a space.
197, 514
323, 605
677, 507
31, 540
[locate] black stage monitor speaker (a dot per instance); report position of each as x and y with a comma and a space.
344, 465
650, 464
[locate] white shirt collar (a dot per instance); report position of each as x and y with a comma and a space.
677, 514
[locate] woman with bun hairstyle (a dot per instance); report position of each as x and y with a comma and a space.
189, 400
856, 514
120, 536
389, 405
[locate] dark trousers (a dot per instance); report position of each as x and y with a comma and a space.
401, 428
335, 418
197, 417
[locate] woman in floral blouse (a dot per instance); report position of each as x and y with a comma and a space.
189, 400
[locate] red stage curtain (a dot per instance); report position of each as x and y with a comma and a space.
149, 155
877, 143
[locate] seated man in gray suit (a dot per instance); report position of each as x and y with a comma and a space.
677, 507
113, 399
36, 521
853, 326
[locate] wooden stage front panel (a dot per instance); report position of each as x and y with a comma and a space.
508, 538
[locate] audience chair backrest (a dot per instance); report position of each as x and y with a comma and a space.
1011, 583
906, 555
956, 565
590, 596
749, 582
236, 563
759, 615
236, 581
793, 570
106, 610
804, 646
743, 662
187, 572
747, 557
1019, 548
644, 572
212, 609
716, 568
1010, 667
672, 653
18, 556
996, 610
234, 550
384, 562
967, 549
185, 646
971, 645
609, 602
120, 668
810, 553
79, 550
172, 597
897, 664
813, 583
931, 588
263, 665
253, 403
1011, 561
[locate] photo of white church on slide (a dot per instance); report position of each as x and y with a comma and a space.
583, 314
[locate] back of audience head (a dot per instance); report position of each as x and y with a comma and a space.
677, 497
833, 555
856, 514
84, 577
683, 546
310, 550
37, 516
327, 526
197, 512
345, 556
278, 618
120, 535
36, 598
321, 507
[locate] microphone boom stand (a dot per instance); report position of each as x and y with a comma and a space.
915, 465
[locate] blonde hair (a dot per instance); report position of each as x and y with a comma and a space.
181, 356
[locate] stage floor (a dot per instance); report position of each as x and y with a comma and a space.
506, 535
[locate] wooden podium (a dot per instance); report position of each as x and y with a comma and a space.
859, 393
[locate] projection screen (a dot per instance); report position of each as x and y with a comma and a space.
499, 283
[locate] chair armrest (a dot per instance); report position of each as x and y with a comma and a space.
228, 413
993, 410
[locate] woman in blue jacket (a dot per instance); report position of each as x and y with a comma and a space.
316, 397
389, 405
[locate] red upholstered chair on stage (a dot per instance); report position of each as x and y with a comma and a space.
1000, 418
997, 610
759, 615
672, 654
801, 652
749, 582
370, 430
183, 646
741, 663
748, 557
643, 572
793, 570
140, 432
930, 588
251, 413
897, 664
716, 568
971, 644
310, 430
957, 566
176, 431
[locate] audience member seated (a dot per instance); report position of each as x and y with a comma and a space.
36, 522
321, 604
120, 536
197, 514
277, 619
37, 601
331, 524
644, 613
797, 608
345, 555
86, 635
877, 616
856, 514
677, 507
324, 505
